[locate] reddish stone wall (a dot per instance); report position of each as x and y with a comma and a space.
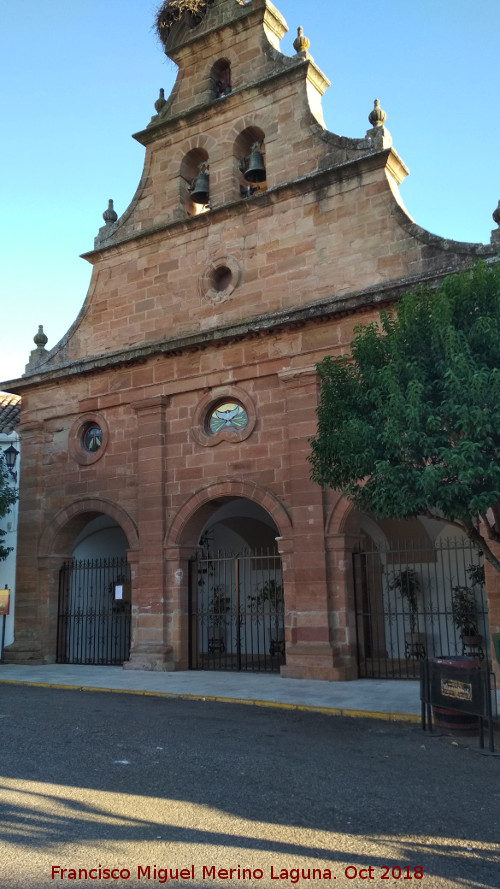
327, 239
151, 467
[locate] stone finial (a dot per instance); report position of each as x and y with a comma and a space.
110, 215
40, 339
377, 117
301, 43
160, 102
37, 355
495, 235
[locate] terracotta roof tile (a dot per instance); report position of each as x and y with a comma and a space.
10, 408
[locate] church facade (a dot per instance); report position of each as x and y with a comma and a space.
170, 426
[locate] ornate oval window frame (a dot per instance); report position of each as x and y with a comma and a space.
200, 429
77, 449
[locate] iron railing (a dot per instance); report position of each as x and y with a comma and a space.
236, 614
93, 625
405, 609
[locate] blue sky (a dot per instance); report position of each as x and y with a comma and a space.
79, 78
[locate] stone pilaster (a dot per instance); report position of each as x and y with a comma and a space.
492, 583
150, 648
178, 566
31, 629
310, 652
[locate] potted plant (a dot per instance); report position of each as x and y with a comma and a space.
271, 593
218, 607
465, 619
407, 584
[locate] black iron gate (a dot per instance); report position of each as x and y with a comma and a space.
415, 602
93, 621
236, 613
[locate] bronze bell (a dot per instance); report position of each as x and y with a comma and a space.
256, 171
200, 189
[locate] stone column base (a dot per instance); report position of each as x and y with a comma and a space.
24, 651
148, 656
317, 661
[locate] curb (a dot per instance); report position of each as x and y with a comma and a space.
307, 708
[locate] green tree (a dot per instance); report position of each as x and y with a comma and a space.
8, 497
409, 422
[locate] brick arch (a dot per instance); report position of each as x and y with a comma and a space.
249, 122
59, 534
340, 516
205, 143
346, 519
195, 512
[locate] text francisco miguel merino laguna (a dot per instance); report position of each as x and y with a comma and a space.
175, 874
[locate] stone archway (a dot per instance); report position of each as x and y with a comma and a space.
38, 575
188, 523
95, 595
61, 531
243, 514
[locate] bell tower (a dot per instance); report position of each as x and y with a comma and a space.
233, 125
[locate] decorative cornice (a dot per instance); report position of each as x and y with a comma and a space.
292, 374
258, 327
160, 126
312, 181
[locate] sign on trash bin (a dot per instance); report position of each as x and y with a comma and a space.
451, 686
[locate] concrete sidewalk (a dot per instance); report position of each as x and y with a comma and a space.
397, 700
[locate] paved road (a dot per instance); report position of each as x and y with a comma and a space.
128, 783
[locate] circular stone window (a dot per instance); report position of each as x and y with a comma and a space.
92, 438
227, 415
220, 279
88, 438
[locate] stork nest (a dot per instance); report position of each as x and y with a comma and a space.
171, 11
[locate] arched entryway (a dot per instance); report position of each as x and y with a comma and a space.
224, 554
94, 599
236, 602
91, 582
411, 579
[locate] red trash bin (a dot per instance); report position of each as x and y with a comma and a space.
454, 722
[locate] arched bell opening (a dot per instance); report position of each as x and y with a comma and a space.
220, 79
195, 182
250, 154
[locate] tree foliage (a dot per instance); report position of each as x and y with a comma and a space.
409, 422
8, 497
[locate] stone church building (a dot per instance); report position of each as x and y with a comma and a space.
164, 439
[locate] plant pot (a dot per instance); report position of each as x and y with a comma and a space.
415, 645
277, 645
472, 646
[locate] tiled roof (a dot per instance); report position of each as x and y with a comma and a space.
10, 408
